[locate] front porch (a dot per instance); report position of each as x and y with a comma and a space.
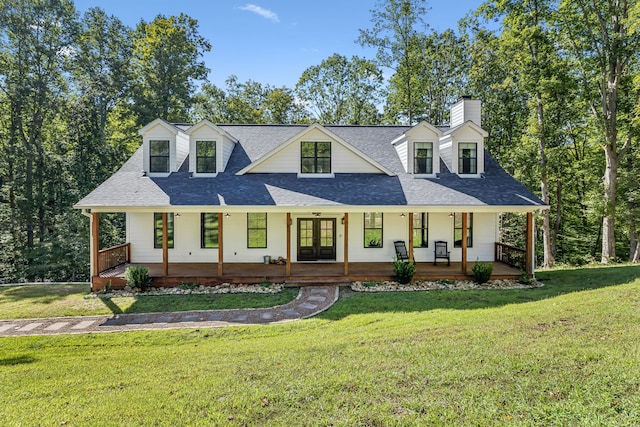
301, 273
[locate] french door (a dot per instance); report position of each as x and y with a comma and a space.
316, 239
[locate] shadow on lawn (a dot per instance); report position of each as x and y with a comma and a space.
17, 360
556, 283
41, 293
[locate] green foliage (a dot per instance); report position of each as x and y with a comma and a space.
138, 277
403, 271
481, 272
342, 91
166, 65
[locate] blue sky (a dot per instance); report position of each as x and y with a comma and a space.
274, 41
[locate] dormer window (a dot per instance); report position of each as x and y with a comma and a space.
423, 158
467, 158
315, 157
205, 157
159, 156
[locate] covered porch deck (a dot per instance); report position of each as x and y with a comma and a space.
301, 273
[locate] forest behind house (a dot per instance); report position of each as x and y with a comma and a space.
559, 82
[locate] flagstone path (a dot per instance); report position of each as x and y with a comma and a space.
310, 301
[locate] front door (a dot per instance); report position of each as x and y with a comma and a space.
316, 239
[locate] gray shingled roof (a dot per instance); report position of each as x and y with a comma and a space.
128, 188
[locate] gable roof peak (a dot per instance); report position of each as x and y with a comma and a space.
169, 126
206, 122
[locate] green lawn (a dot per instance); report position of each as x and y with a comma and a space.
567, 354
23, 302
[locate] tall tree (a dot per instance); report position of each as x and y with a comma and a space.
342, 91
600, 38
166, 65
102, 77
526, 39
445, 64
248, 102
36, 43
398, 29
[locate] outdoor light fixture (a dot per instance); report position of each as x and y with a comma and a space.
402, 215
317, 214
227, 215
342, 220
451, 215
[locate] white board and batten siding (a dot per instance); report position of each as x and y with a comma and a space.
140, 229
287, 159
187, 248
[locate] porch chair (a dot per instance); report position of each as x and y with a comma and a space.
441, 251
401, 251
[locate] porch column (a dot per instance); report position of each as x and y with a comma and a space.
165, 244
287, 268
529, 248
220, 241
464, 243
346, 244
95, 243
411, 237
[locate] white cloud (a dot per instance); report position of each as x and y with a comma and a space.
265, 13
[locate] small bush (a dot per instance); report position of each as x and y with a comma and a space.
138, 277
404, 271
188, 286
482, 272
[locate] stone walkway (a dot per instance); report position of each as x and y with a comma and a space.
310, 301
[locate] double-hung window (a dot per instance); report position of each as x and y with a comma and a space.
159, 156
315, 157
157, 230
373, 229
421, 230
208, 230
457, 230
205, 157
467, 158
257, 230
423, 157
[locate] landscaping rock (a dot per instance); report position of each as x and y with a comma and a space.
441, 285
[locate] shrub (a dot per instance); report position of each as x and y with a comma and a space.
138, 277
482, 272
404, 271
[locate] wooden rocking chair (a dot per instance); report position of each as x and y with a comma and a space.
441, 251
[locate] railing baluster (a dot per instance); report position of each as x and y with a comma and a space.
511, 255
114, 256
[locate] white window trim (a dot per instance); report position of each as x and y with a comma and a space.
435, 158
194, 173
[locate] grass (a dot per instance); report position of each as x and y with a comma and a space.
23, 302
564, 354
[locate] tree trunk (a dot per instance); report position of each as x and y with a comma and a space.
558, 219
544, 190
609, 215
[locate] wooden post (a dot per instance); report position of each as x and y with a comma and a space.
529, 247
411, 237
287, 268
346, 244
95, 243
464, 243
220, 248
165, 244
